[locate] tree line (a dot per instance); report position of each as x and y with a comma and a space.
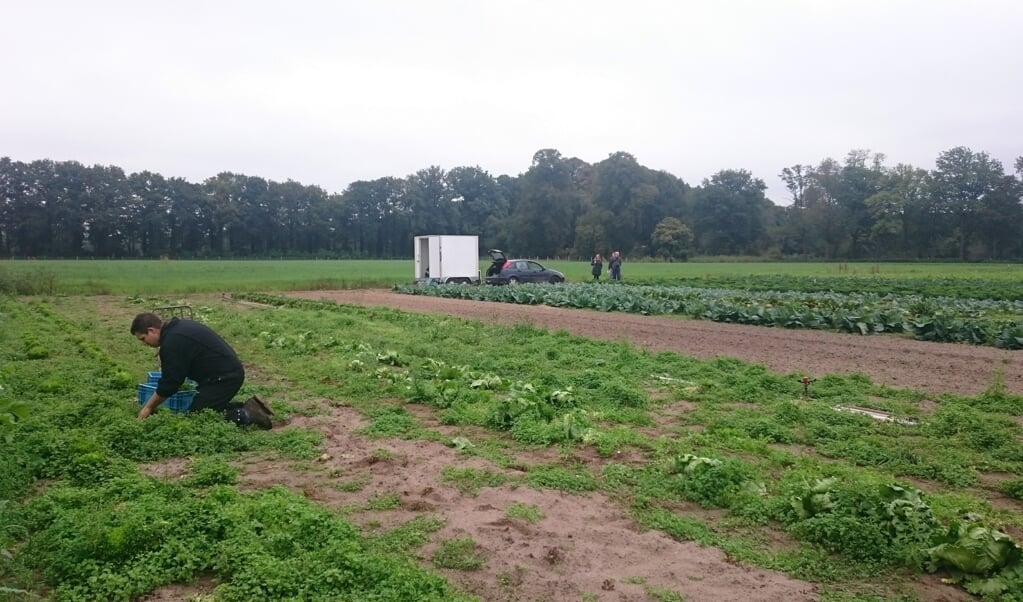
967, 208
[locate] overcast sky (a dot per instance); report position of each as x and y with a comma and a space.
331, 92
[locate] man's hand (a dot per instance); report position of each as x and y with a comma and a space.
150, 406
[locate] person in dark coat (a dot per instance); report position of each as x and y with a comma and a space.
597, 266
193, 350
615, 266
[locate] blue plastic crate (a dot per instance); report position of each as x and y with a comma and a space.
179, 402
153, 378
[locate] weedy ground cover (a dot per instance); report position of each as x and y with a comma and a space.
751, 462
583, 393
82, 522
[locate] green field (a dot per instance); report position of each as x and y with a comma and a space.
718, 452
91, 277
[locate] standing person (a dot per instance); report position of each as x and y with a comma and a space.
192, 349
615, 266
598, 266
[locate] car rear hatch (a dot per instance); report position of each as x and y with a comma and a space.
497, 255
498, 264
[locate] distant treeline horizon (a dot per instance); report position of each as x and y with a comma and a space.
965, 209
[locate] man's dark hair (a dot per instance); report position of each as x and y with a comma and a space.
144, 321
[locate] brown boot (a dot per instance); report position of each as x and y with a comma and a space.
256, 414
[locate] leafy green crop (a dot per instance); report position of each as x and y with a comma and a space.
981, 321
713, 482
880, 523
987, 561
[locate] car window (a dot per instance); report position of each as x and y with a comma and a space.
521, 265
534, 266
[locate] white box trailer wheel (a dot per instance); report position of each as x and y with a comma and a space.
447, 259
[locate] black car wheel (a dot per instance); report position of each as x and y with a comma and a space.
555, 280
513, 280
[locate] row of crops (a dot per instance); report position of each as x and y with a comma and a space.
992, 322
960, 287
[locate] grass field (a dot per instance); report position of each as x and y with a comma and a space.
721, 452
140, 277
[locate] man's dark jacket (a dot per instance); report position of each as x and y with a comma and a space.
192, 349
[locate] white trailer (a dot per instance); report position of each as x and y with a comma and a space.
446, 258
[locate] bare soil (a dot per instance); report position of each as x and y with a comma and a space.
586, 547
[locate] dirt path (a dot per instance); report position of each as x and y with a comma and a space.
583, 544
887, 360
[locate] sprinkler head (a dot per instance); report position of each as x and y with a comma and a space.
806, 380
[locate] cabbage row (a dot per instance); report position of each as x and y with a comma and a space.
997, 323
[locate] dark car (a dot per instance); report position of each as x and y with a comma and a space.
514, 271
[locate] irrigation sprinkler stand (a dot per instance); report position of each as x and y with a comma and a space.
806, 380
